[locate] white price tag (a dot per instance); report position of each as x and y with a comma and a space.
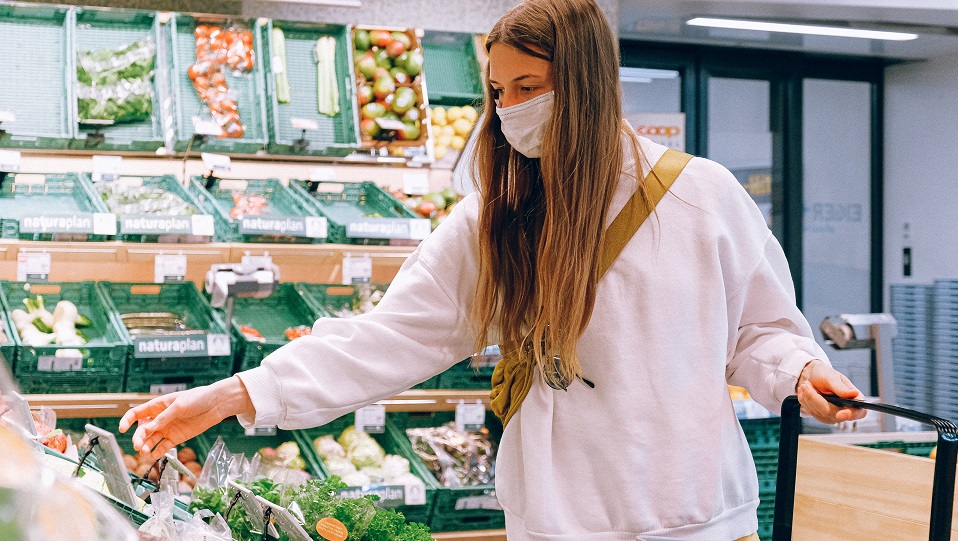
415, 494
168, 388
304, 124
419, 228
261, 431
59, 363
371, 419
218, 345
106, 168
278, 65
33, 267
217, 163
202, 225
169, 268
470, 417
7, 116
322, 174
478, 502
9, 161
104, 223
317, 227
415, 183
357, 270
206, 126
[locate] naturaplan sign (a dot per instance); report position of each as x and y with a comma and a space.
664, 128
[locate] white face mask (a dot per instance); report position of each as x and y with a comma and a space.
524, 124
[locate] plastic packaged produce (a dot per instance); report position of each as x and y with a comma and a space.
252, 204
456, 458
161, 525
367, 297
122, 199
116, 85
220, 50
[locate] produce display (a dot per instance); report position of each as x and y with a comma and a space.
359, 461
366, 298
38, 327
451, 128
299, 331
312, 501
435, 206
156, 324
220, 50
285, 456
388, 66
249, 204
283, 89
252, 334
116, 85
143, 466
53, 439
121, 199
456, 458
328, 84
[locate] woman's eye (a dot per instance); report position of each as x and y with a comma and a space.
528, 89
495, 93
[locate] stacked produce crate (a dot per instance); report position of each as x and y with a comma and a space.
178, 341
912, 307
66, 338
944, 340
763, 437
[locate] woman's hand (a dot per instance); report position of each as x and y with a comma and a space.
817, 379
172, 419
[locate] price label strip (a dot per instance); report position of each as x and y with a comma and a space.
470, 417
217, 163
110, 458
106, 168
371, 419
415, 183
31, 267
169, 268
357, 270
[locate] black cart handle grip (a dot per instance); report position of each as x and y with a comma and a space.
943, 489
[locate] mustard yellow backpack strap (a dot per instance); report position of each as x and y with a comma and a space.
633, 215
515, 372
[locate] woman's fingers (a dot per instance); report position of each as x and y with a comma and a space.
815, 405
143, 411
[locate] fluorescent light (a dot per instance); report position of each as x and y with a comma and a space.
635, 79
801, 29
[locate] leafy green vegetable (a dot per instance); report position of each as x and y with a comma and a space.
385, 526
415, 531
116, 84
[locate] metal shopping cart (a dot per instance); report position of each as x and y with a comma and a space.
943, 488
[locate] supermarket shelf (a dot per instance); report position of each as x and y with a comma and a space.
479, 535
116, 404
75, 261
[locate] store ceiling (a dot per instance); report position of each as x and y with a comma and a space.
936, 22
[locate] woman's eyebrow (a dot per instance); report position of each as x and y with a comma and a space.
518, 79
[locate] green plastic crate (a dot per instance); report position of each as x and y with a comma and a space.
766, 466
913, 448
129, 232
766, 516
192, 365
248, 89
337, 136
454, 74
110, 29
238, 442
291, 217
104, 357
391, 444
8, 349
271, 317
51, 207
452, 510
36, 58
327, 299
360, 212
762, 433
464, 375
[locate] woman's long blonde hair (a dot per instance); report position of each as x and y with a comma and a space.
542, 221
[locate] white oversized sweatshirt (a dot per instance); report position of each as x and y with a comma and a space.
700, 297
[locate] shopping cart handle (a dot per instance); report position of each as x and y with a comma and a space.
943, 489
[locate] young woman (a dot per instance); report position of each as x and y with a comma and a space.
621, 333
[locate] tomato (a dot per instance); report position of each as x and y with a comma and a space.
427, 209
247, 37
201, 82
202, 31
218, 80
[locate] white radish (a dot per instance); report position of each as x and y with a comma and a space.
66, 334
